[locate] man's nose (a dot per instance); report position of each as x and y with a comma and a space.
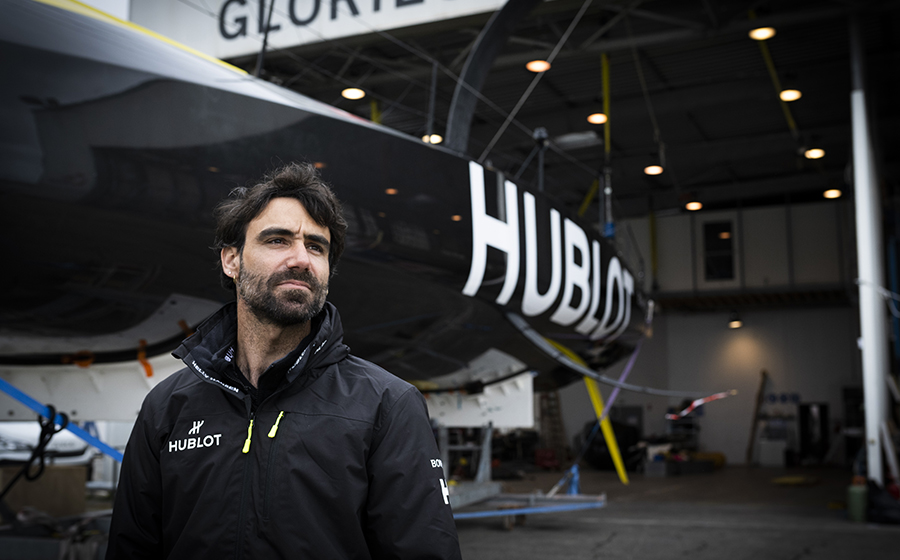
299, 257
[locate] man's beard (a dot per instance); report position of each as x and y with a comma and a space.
293, 307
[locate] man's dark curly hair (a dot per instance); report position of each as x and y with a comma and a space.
300, 181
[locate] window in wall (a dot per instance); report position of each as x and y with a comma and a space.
718, 251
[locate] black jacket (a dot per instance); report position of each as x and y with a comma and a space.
338, 461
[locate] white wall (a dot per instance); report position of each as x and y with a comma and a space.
811, 352
674, 253
765, 251
794, 246
815, 242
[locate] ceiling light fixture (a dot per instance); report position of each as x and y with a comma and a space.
456, 217
597, 118
762, 33
390, 191
724, 235
814, 153
789, 95
353, 93
538, 66
576, 140
693, 206
832, 193
433, 139
734, 321
653, 169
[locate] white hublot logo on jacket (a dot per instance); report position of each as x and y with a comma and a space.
445, 491
198, 442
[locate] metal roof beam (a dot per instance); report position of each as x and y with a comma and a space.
681, 35
478, 66
654, 16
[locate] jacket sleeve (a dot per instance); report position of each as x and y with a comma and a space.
136, 528
408, 514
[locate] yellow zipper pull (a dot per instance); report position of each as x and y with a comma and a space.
249, 435
274, 429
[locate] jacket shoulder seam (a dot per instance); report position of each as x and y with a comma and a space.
390, 408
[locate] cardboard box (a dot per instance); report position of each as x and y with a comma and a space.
60, 491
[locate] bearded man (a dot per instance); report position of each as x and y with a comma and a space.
274, 441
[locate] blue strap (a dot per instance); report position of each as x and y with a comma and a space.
34, 405
529, 510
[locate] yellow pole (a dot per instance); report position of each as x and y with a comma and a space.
592, 192
606, 427
773, 74
654, 254
374, 111
597, 400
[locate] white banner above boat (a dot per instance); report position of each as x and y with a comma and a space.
231, 28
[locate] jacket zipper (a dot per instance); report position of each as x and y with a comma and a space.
270, 469
274, 429
246, 448
239, 552
245, 485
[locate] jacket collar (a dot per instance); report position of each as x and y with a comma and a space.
211, 348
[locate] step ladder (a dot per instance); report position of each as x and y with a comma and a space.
553, 433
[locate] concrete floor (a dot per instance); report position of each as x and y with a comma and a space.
733, 513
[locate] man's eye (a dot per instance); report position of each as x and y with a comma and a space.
276, 241
315, 248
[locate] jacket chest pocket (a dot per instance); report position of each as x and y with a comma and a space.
195, 451
315, 459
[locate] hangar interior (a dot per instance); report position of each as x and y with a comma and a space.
774, 243
735, 209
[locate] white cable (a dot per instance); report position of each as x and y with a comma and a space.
892, 297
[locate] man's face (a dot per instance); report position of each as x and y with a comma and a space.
282, 272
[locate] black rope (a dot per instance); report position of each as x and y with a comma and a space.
48, 430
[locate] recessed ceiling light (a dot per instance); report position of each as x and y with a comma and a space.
538, 66
693, 206
762, 33
353, 93
814, 153
597, 118
433, 139
390, 191
790, 94
456, 217
320, 165
832, 193
724, 235
653, 169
